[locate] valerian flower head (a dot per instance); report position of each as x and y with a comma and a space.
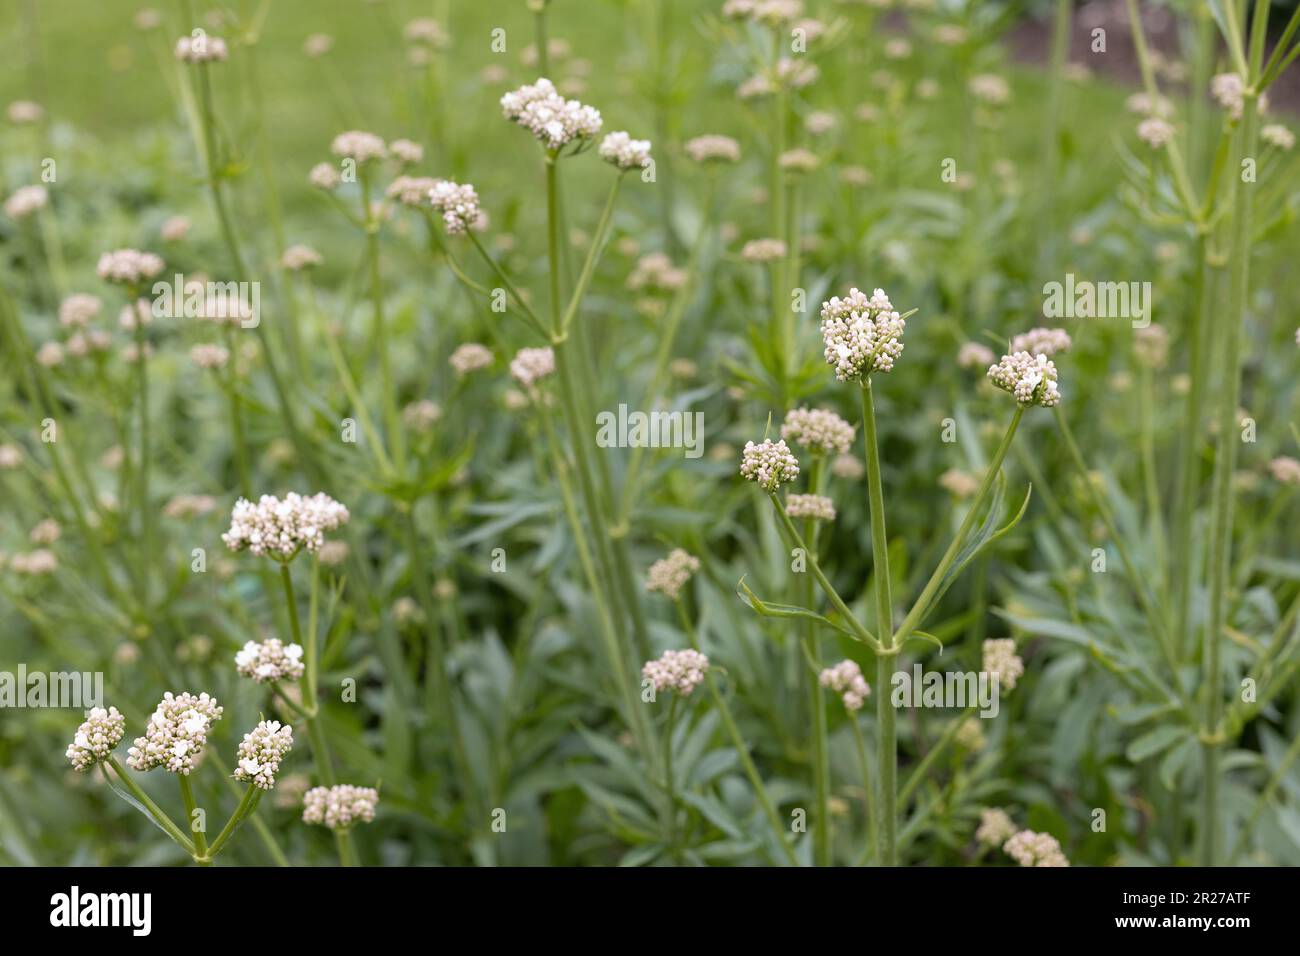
96, 738
656, 272
77, 310
359, 146
209, 356
848, 467
25, 201
1151, 345
1029, 848
271, 660
681, 671
1155, 132
769, 465
669, 575
623, 151
458, 204
411, 190
763, 250
1229, 90
324, 176
846, 679
960, 484
1031, 379
1002, 662
339, 807
862, 334
815, 507
819, 430
175, 734
553, 120
1041, 341
470, 357
531, 365
260, 753
995, 827
129, 266
299, 257
1285, 469
1275, 134
281, 529
970, 735
713, 148
406, 152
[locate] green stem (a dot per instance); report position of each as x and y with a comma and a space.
164, 821
247, 804
200, 837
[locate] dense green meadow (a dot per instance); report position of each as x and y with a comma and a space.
469, 638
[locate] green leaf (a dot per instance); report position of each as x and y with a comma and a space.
1175, 761
988, 533
763, 609
122, 792
1154, 742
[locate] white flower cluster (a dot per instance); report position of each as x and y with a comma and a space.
862, 334
411, 190
96, 738
189, 506
995, 827
552, 119
1031, 380
407, 152
261, 751
816, 507
458, 204
960, 484
1145, 105
990, 88
129, 266
201, 48
299, 257
1041, 341
1285, 470
656, 271
470, 357
1001, 661
1275, 134
681, 671
711, 148
40, 561
769, 465
669, 575
1230, 92
339, 807
1151, 345
970, 735
1029, 848
359, 145
1155, 132
209, 356
176, 733
422, 415
324, 176
975, 355
271, 660
763, 250
819, 430
846, 679
282, 528
531, 365
623, 151
25, 201
77, 310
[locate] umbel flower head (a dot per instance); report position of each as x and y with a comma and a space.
129, 266
819, 430
1001, 661
1029, 848
681, 671
1041, 341
531, 365
995, 827
769, 465
458, 204
261, 751
271, 660
96, 738
554, 121
816, 507
669, 575
281, 529
339, 807
77, 310
175, 734
359, 145
25, 201
713, 148
862, 334
846, 679
1031, 379
470, 357
623, 151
